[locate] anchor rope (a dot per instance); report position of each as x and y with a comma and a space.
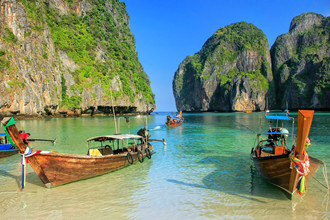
325, 175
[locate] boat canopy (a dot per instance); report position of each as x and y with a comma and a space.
115, 137
2, 134
5, 146
276, 117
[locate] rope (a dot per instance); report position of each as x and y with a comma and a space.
245, 127
325, 174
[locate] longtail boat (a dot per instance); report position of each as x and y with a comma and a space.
174, 121
288, 169
109, 153
6, 148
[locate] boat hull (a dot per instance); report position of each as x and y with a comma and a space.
174, 124
7, 153
56, 169
276, 170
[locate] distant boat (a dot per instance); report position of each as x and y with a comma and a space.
111, 152
6, 149
174, 121
248, 111
271, 156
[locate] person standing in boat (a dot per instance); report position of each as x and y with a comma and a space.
168, 119
24, 136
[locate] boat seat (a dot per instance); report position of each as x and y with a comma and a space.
107, 151
279, 150
140, 147
267, 149
94, 152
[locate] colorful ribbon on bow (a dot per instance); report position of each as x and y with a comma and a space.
308, 142
302, 168
28, 153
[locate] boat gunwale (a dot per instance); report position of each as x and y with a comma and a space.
8, 150
56, 154
285, 155
115, 137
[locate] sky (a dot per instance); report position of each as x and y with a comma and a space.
167, 31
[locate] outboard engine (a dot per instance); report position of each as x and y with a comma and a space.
274, 137
284, 130
143, 132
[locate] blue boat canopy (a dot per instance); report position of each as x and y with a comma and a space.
5, 146
275, 117
2, 134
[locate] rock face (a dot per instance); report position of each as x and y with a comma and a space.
232, 72
58, 56
301, 63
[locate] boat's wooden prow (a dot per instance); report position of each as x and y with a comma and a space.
5, 120
12, 131
305, 118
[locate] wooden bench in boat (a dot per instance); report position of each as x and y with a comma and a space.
268, 150
115, 144
108, 150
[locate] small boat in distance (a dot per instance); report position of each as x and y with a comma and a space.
248, 111
6, 149
105, 154
175, 121
283, 167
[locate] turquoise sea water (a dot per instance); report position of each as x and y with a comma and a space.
204, 172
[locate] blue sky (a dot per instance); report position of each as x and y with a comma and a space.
166, 31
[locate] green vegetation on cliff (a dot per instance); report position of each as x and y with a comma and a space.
226, 44
257, 80
301, 62
231, 72
4, 63
100, 32
236, 37
224, 47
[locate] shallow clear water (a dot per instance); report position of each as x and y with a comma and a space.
204, 172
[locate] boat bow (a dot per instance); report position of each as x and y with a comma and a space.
305, 118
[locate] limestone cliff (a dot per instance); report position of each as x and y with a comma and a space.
62, 55
301, 63
232, 72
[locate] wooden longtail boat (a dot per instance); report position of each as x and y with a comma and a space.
112, 153
6, 149
272, 159
175, 121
